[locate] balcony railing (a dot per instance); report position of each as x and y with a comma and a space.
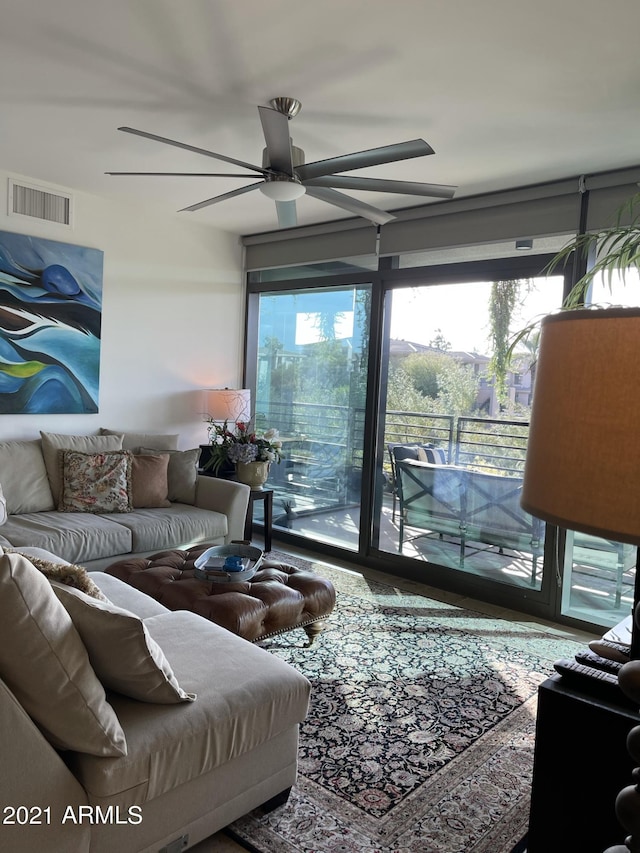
323, 451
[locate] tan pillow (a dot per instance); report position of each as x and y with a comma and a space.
149, 480
24, 477
45, 663
182, 474
122, 652
135, 440
53, 442
95, 482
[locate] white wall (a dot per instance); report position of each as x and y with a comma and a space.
172, 321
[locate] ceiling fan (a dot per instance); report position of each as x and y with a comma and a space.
285, 176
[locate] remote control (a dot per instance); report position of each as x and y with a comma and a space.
589, 658
610, 649
589, 679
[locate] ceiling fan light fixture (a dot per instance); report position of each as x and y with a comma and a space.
282, 189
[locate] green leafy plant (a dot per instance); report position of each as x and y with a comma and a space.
616, 249
241, 444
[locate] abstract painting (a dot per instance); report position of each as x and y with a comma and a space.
50, 322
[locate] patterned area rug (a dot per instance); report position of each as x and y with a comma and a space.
421, 729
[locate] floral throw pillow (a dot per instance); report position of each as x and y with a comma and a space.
95, 482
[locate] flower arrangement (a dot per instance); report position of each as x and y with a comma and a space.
240, 444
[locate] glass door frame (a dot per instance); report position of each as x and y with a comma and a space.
544, 602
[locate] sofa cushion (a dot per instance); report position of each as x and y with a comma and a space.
135, 440
122, 653
122, 595
149, 480
95, 482
77, 537
182, 474
159, 529
54, 442
24, 477
45, 663
246, 696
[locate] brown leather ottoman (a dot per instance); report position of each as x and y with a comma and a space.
278, 597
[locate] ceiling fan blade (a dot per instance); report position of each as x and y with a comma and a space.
287, 215
184, 174
347, 182
192, 148
360, 159
275, 126
199, 205
374, 214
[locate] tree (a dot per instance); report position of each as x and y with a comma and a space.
424, 368
504, 297
439, 342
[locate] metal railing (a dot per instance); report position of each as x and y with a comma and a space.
484, 444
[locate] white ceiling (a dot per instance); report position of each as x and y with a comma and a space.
507, 92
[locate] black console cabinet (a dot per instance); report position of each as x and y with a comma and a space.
581, 763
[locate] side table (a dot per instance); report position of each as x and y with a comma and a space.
266, 496
580, 765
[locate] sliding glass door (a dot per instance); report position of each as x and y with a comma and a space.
402, 395
456, 419
311, 384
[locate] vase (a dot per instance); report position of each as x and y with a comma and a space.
254, 474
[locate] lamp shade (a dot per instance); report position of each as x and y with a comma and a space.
582, 468
229, 404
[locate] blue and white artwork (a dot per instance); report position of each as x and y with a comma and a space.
50, 320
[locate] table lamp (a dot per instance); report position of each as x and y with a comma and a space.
582, 469
229, 404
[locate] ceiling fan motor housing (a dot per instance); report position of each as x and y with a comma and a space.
297, 156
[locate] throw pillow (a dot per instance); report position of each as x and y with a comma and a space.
54, 442
45, 664
135, 440
24, 477
149, 480
122, 652
3, 507
95, 482
66, 573
182, 474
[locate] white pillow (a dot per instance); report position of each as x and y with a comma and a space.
45, 664
52, 443
3, 508
122, 652
135, 440
24, 477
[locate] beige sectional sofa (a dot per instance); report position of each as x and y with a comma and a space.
104, 746
153, 499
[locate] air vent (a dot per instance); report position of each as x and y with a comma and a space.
31, 200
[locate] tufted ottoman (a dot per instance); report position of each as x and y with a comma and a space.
278, 597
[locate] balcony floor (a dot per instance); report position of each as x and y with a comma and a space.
592, 592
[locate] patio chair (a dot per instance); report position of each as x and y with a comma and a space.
493, 516
419, 452
431, 499
603, 555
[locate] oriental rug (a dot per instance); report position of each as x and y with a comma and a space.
420, 733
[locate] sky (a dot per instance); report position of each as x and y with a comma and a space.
460, 311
